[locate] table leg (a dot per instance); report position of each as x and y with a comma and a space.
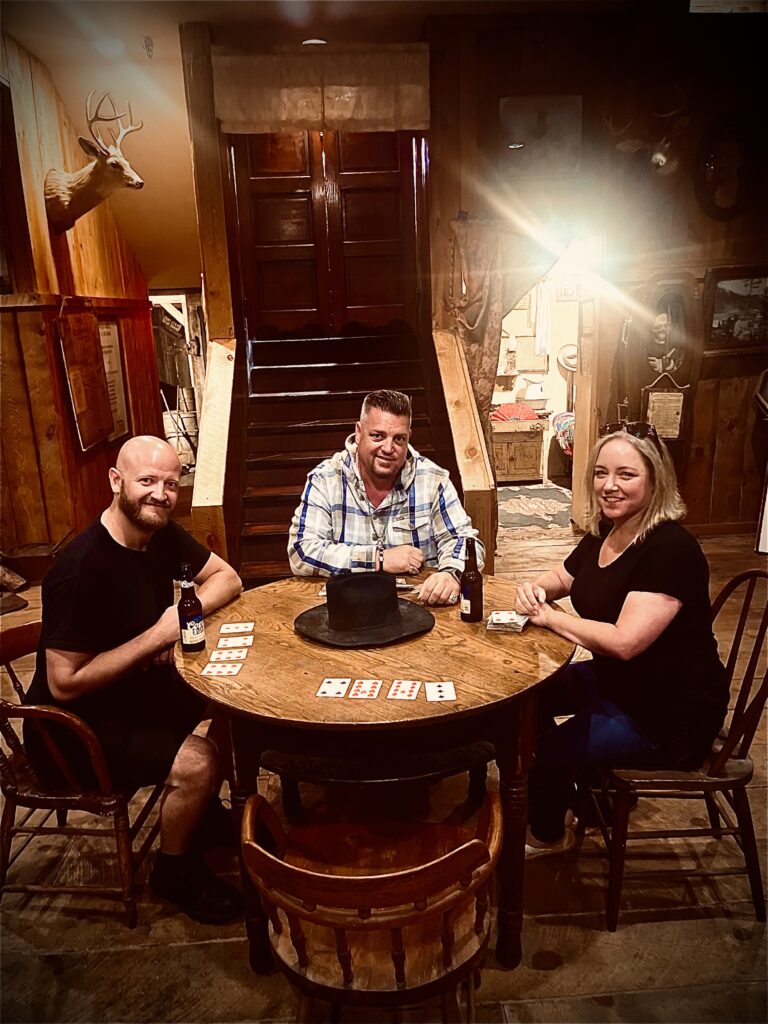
242, 783
513, 756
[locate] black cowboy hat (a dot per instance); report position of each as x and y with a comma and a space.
363, 610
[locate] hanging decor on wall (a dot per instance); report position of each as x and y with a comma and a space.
69, 196
736, 309
541, 133
725, 172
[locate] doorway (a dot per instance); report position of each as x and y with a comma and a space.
328, 232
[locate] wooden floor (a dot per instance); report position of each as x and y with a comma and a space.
683, 952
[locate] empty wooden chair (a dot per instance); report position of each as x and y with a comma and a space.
722, 780
22, 789
385, 914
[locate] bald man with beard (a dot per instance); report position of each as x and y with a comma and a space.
106, 654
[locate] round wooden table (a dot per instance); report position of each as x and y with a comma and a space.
271, 704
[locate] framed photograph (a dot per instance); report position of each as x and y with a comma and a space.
736, 309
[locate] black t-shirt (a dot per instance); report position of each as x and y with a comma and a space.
675, 690
98, 596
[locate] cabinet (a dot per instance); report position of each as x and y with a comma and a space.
517, 448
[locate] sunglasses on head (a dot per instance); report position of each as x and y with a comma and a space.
636, 428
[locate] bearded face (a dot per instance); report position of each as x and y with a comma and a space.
145, 512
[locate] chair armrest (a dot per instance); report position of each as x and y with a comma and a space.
42, 713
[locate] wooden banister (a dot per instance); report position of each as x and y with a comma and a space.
469, 442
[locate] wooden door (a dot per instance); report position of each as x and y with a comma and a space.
327, 232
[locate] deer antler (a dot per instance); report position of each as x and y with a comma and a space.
608, 122
125, 129
98, 116
681, 99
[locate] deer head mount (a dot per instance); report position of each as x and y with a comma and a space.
656, 138
69, 196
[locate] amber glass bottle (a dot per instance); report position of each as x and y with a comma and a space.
471, 586
190, 613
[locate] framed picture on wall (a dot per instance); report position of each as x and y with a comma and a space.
736, 308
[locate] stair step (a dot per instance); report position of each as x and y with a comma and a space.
339, 350
256, 574
295, 406
264, 542
263, 529
290, 468
277, 493
401, 375
323, 434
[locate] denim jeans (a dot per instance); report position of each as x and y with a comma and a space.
599, 733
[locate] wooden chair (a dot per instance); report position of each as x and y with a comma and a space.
385, 914
722, 779
22, 789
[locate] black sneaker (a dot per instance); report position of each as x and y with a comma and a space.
188, 882
215, 828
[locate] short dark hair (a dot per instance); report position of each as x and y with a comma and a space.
394, 402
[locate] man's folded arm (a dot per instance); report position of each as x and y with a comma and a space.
72, 674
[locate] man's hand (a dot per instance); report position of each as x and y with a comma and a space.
403, 558
439, 588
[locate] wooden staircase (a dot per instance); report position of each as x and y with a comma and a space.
304, 397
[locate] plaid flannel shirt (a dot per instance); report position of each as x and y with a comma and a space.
335, 529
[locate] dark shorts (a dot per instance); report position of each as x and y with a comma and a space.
139, 744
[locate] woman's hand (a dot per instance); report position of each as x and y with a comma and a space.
529, 600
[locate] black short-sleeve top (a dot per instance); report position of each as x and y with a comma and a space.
98, 596
675, 690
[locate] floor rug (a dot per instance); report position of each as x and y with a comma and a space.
545, 506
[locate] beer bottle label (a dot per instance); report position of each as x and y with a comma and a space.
466, 604
193, 630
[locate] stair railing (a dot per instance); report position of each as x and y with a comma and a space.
468, 440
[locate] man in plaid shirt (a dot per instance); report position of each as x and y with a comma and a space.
379, 505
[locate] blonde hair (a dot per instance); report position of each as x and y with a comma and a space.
665, 505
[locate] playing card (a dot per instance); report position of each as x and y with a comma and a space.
235, 641
217, 669
365, 689
333, 688
236, 627
236, 654
404, 689
440, 691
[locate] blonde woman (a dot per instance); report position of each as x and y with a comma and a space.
654, 692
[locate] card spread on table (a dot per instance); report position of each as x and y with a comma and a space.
235, 641
236, 654
365, 689
440, 691
404, 689
219, 669
236, 627
333, 687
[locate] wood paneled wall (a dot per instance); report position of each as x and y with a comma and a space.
638, 58
92, 258
50, 487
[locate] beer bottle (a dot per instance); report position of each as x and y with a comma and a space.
190, 613
471, 584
